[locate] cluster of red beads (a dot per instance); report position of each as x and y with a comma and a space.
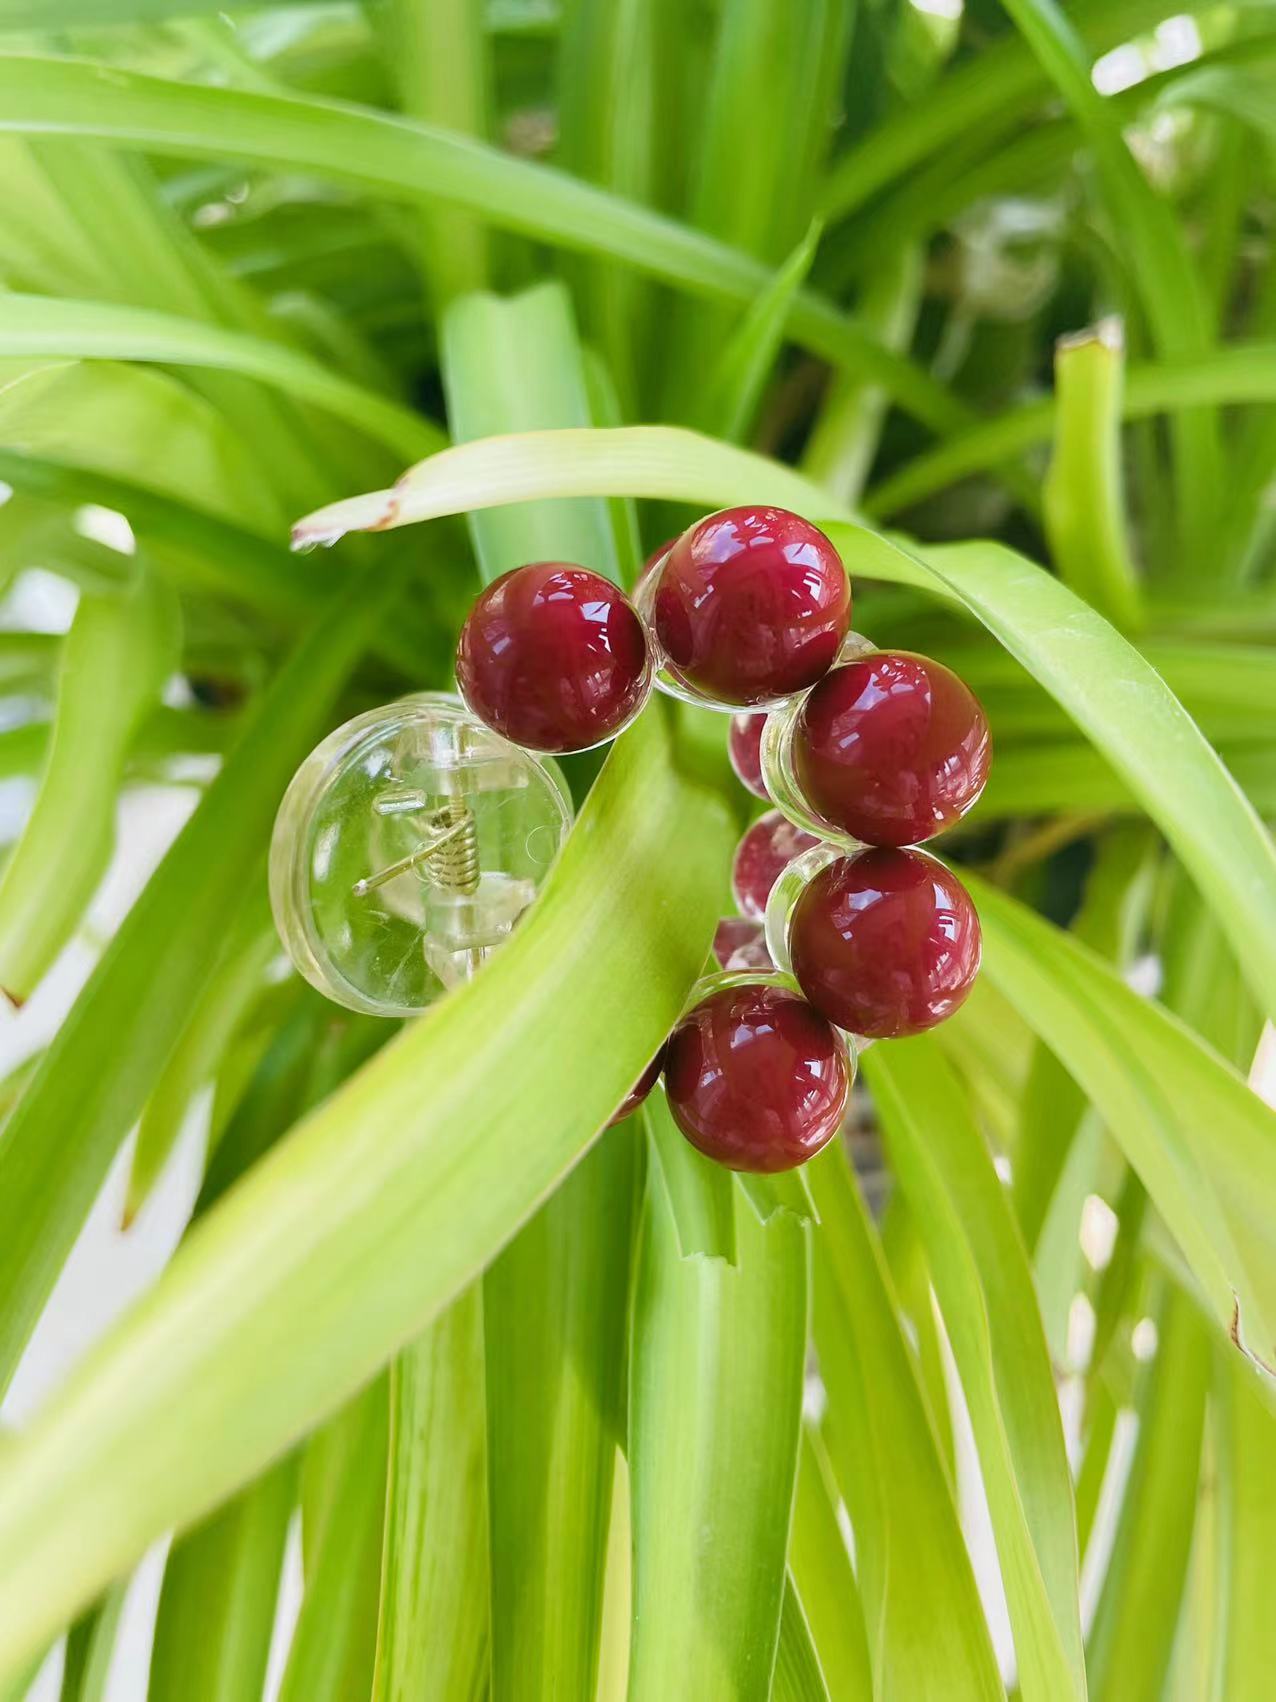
748, 606
749, 610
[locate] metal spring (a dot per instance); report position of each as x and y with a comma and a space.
454, 863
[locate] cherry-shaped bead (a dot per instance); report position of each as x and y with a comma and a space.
761, 857
554, 658
890, 749
756, 1078
641, 1088
750, 606
885, 943
744, 748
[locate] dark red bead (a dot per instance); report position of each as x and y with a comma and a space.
744, 747
740, 944
756, 1079
892, 749
885, 943
641, 1088
752, 605
762, 856
553, 657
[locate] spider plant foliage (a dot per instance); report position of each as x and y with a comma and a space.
983, 1401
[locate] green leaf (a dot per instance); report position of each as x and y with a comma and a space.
217, 1605
716, 1371
116, 657
38, 327
1242, 372
1084, 498
1103, 683
1226, 686
1163, 1096
1247, 1468
701, 1195
798, 1677
514, 365
784, 57
214, 1015
57, 1146
614, 122
402, 159
106, 416
555, 1310
1004, 80
343, 1498
1133, 1632
57, 14
785, 1191
432, 1641
733, 389
910, 1278
1153, 248
843, 442
822, 1575
438, 61
1109, 921
1076, 779
90, 1648
921, 1605
653, 461
236, 562
1233, 91
983, 1282
352, 1234
1101, 1417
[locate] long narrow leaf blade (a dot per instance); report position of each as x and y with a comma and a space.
58, 1130
1162, 1094
983, 1282
353, 1233
715, 1406
217, 1604
343, 1479
921, 1605
432, 1641
401, 159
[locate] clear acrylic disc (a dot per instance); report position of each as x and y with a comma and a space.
406, 848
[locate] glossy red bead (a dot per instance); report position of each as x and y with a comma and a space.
892, 749
885, 943
744, 747
641, 1088
762, 856
752, 605
756, 1079
553, 657
740, 944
